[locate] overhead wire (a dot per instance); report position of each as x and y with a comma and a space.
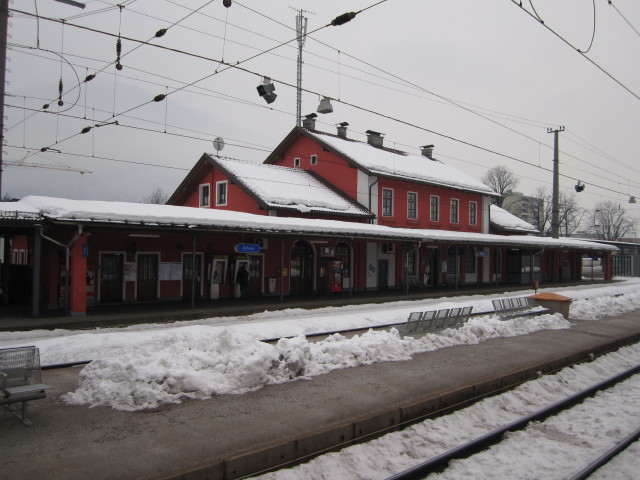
355, 106
565, 41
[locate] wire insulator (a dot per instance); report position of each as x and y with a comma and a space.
118, 52
161, 32
90, 77
159, 98
344, 18
85, 130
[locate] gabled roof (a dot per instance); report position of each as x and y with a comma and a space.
284, 188
387, 162
508, 222
274, 187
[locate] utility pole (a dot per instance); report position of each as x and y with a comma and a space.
301, 32
555, 211
4, 19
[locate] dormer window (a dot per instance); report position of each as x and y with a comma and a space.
205, 193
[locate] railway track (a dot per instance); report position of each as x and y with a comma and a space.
441, 462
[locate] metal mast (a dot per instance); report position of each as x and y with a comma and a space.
301, 31
555, 210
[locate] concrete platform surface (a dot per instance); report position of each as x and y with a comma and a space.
231, 435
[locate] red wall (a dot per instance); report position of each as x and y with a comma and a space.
399, 218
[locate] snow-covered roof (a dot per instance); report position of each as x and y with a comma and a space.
141, 215
508, 221
393, 163
18, 211
289, 188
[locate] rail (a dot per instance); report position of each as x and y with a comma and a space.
440, 462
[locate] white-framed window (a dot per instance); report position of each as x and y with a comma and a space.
412, 205
473, 213
387, 202
296, 162
221, 193
205, 195
455, 213
314, 160
434, 208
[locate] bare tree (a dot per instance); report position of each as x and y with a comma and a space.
501, 180
158, 196
608, 221
570, 214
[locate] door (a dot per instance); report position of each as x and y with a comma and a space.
188, 273
255, 276
383, 274
147, 277
301, 269
111, 275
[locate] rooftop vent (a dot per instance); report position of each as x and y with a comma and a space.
309, 121
342, 129
374, 138
427, 151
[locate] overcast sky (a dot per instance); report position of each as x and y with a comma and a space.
393, 67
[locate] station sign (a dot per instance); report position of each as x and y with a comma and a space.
247, 248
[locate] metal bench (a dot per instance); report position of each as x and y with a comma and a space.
20, 378
434, 320
511, 307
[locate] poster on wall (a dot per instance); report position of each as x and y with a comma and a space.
130, 272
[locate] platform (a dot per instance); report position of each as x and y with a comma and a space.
231, 435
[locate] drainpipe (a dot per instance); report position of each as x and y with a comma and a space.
66, 266
371, 221
282, 270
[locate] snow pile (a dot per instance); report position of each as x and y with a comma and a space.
145, 366
198, 363
601, 306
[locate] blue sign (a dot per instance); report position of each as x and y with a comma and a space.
247, 248
85, 250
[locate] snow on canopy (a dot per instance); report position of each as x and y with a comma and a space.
380, 161
90, 211
291, 188
508, 221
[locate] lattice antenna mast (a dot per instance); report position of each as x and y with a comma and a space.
301, 32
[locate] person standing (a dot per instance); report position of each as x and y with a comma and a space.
243, 281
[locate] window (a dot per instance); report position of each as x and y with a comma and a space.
221, 193
387, 202
314, 159
454, 210
473, 213
412, 205
435, 208
296, 162
204, 195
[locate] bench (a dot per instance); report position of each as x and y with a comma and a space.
511, 307
434, 320
20, 378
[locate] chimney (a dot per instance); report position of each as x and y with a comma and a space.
374, 138
427, 151
309, 121
342, 129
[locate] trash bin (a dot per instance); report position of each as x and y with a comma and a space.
272, 285
553, 302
